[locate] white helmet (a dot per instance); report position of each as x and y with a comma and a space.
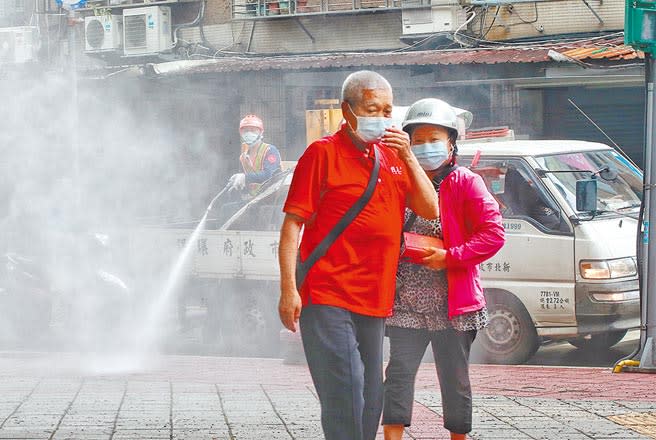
436, 112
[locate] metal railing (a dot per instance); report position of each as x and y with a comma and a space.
247, 9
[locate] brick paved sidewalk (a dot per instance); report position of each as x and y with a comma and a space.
64, 396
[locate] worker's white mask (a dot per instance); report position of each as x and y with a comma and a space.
250, 137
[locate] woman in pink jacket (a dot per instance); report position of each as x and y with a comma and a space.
440, 301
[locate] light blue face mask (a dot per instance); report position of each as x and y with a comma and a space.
431, 155
250, 137
371, 129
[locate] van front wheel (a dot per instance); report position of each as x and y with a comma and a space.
510, 337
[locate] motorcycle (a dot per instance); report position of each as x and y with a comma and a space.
25, 298
76, 297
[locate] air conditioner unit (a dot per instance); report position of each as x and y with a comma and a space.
17, 44
147, 30
103, 33
428, 20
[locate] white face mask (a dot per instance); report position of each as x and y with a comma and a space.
431, 155
371, 129
250, 137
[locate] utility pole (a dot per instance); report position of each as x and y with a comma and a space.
640, 33
648, 295
73, 20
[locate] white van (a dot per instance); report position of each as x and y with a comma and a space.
562, 274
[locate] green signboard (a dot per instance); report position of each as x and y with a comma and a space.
640, 25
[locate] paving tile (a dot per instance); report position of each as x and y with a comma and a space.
25, 433
141, 434
266, 400
201, 435
19, 420
305, 430
255, 419
259, 435
533, 422
485, 434
82, 433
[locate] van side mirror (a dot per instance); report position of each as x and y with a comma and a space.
586, 195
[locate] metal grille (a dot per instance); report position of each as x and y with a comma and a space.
95, 34
135, 31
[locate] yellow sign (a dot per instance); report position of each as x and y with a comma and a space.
320, 123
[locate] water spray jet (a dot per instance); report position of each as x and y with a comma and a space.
147, 337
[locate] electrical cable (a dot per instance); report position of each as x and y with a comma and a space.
494, 19
493, 45
415, 44
203, 38
545, 43
455, 34
525, 21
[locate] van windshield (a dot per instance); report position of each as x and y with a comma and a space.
623, 194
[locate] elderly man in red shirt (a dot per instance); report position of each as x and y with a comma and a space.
348, 293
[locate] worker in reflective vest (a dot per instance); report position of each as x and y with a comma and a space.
259, 160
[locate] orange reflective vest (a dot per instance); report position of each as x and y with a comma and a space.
255, 166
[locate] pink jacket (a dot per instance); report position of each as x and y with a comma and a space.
473, 232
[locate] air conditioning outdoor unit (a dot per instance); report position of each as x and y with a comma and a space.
431, 19
17, 44
103, 33
147, 30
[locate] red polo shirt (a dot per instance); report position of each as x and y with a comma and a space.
358, 273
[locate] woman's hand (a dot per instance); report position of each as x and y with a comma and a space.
435, 258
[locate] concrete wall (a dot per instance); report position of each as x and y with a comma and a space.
551, 18
382, 30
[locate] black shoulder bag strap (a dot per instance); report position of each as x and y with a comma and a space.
303, 267
410, 222
406, 228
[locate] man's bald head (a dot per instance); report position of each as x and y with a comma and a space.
356, 83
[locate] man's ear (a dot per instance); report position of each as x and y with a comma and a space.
344, 107
348, 116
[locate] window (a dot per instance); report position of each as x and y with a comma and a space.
622, 194
264, 212
520, 194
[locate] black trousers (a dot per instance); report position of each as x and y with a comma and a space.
451, 352
344, 351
